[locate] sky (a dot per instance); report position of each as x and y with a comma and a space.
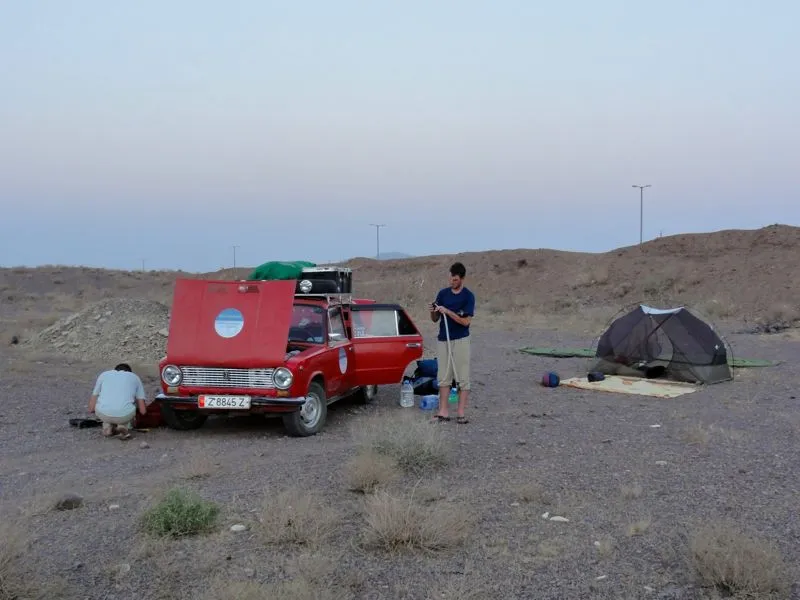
167, 133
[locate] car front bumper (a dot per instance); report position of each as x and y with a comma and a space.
256, 402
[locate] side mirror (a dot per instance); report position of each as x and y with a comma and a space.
335, 337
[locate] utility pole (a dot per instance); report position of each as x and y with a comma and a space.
234, 256
641, 210
377, 238
142, 264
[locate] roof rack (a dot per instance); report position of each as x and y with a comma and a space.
343, 298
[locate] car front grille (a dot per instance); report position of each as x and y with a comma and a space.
221, 377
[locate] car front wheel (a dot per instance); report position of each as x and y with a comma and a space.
310, 419
182, 419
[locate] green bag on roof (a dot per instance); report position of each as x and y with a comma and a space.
274, 269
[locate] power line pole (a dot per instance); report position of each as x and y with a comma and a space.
641, 210
378, 238
142, 264
234, 256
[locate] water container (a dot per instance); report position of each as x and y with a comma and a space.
407, 394
453, 399
429, 402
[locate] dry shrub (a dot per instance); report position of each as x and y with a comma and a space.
412, 442
294, 516
367, 471
734, 562
400, 522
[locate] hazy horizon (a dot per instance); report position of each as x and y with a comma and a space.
173, 132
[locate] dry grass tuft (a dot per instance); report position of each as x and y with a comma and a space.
16, 583
638, 528
400, 522
460, 587
198, 467
310, 577
294, 516
697, 435
701, 435
631, 492
734, 562
367, 471
412, 442
533, 493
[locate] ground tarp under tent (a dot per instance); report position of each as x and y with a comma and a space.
279, 270
739, 363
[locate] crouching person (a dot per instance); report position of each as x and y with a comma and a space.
115, 398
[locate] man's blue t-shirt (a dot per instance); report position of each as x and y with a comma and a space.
461, 303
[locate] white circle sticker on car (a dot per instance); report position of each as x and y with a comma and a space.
229, 323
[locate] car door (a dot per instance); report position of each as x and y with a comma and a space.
339, 370
385, 341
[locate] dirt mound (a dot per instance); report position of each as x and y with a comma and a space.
116, 329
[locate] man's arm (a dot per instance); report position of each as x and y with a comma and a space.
95, 394
140, 396
468, 311
465, 320
435, 315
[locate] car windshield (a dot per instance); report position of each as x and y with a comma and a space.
308, 324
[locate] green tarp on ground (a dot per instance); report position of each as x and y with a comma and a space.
740, 363
274, 269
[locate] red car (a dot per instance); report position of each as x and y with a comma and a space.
275, 347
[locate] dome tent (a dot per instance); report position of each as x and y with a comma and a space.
670, 343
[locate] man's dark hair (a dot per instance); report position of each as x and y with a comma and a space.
123, 367
458, 269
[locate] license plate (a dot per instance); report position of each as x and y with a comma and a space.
228, 402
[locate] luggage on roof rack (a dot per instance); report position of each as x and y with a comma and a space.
325, 280
279, 270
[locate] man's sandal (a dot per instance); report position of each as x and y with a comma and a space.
440, 419
462, 420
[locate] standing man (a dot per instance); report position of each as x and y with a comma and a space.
453, 309
114, 400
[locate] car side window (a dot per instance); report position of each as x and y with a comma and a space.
382, 323
337, 332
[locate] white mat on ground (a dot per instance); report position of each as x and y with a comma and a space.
658, 388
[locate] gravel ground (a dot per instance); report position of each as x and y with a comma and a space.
730, 450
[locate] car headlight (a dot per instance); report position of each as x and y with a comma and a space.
282, 377
171, 375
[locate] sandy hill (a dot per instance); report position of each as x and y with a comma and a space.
742, 276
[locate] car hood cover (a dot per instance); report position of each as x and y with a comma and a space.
230, 323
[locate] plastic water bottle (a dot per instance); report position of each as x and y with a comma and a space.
429, 402
407, 394
453, 399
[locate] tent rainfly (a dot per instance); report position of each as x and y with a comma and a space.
670, 343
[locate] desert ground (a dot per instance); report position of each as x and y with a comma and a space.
671, 499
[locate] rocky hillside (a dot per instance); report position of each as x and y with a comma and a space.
751, 278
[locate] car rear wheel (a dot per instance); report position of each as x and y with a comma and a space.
182, 419
310, 419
